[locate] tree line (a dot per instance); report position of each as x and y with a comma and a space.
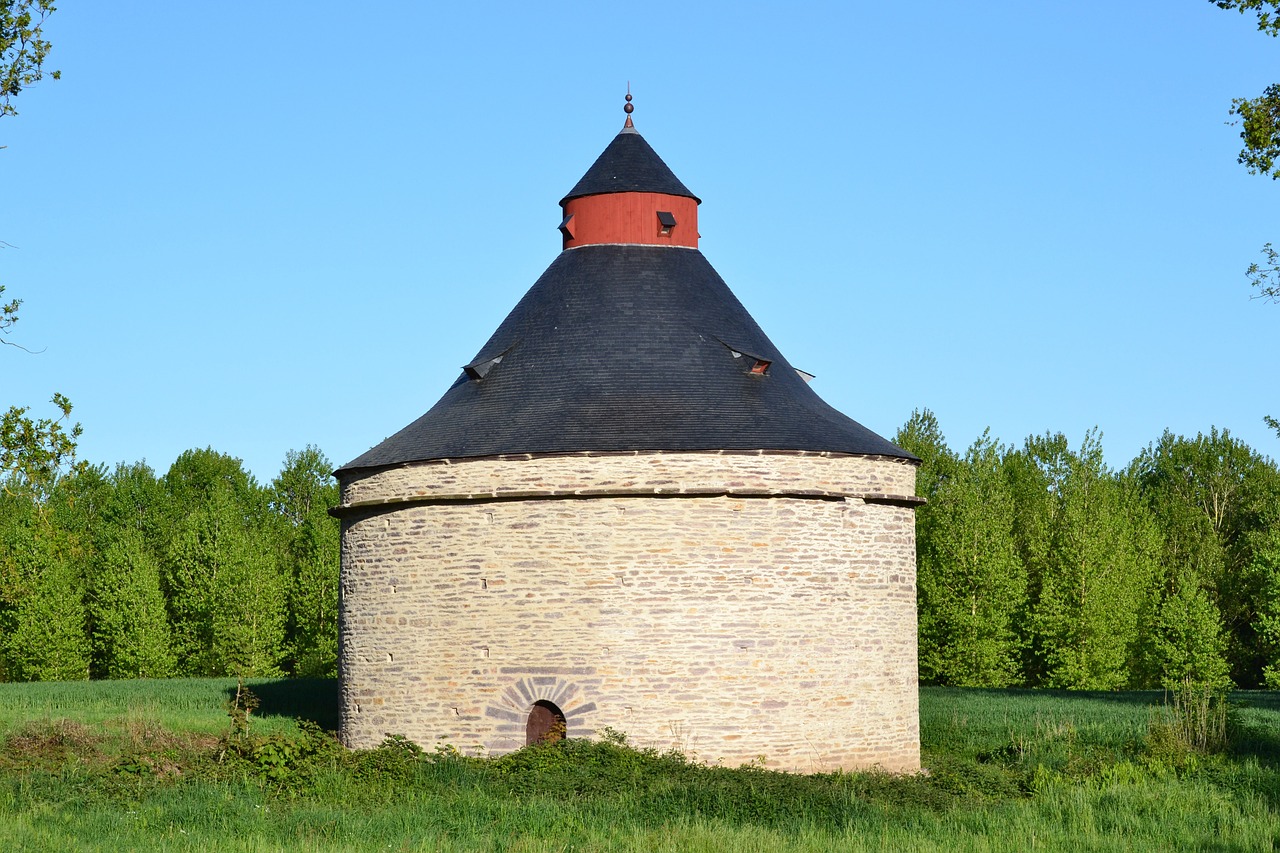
200, 571
1040, 566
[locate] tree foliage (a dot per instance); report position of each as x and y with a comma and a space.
1266, 567
130, 628
1268, 12
1265, 277
1095, 573
8, 316
301, 496
123, 574
972, 585
23, 48
1259, 117
1045, 567
1189, 646
221, 575
1259, 131
1259, 120
35, 453
1216, 500
42, 618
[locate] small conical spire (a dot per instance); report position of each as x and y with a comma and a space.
628, 108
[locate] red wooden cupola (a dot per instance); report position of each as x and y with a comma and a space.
629, 196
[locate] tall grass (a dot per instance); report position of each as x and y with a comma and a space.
1008, 770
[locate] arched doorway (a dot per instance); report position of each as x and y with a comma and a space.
545, 725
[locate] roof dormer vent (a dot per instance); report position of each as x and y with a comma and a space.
480, 368
752, 364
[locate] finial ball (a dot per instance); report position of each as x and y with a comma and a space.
628, 109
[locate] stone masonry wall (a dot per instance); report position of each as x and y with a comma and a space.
643, 473
729, 626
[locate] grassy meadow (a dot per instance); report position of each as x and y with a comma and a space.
160, 765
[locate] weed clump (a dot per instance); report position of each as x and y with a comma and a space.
50, 744
1199, 723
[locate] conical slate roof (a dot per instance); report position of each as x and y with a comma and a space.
629, 164
626, 347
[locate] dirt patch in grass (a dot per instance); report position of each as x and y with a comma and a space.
50, 743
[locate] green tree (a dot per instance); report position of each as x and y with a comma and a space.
220, 570
1189, 647
1035, 473
196, 475
35, 453
922, 436
972, 584
1266, 567
137, 502
76, 506
127, 609
42, 616
301, 496
1097, 567
1215, 500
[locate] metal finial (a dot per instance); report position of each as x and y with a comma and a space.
628, 108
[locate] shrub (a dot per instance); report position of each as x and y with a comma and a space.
1198, 723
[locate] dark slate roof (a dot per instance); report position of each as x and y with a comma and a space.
629, 164
626, 347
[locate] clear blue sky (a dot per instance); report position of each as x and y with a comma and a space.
258, 226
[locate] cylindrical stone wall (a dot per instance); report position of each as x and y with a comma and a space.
734, 606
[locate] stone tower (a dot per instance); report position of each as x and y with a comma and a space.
630, 511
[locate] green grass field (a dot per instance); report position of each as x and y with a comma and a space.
155, 765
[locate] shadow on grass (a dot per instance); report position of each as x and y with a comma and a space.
314, 699
1264, 700
1139, 698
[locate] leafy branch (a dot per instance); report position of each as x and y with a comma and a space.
8, 318
23, 50
8, 315
1268, 21
1260, 131
1266, 276
36, 453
